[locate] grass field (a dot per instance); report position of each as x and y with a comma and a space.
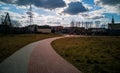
11, 43
91, 54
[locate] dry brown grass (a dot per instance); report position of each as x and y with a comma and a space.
91, 54
11, 43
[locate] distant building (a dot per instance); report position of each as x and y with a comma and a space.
97, 29
40, 29
57, 29
113, 28
31, 28
113, 25
44, 29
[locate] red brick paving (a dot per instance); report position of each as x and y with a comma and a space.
45, 60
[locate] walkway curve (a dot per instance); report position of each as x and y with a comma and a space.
38, 57
45, 60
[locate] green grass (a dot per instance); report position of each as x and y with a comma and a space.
91, 54
11, 43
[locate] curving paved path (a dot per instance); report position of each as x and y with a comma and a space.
38, 57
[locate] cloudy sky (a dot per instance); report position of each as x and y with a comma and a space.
61, 12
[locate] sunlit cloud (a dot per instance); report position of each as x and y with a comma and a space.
60, 12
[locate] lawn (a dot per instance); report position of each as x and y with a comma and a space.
91, 54
11, 43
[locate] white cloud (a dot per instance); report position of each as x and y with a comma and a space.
43, 16
5, 8
110, 6
112, 9
13, 15
20, 7
95, 14
87, 6
69, 1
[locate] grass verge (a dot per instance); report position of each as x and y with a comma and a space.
91, 54
11, 43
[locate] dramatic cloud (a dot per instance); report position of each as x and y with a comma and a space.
111, 6
8, 1
69, 1
107, 2
52, 12
92, 16
75, 8
96, 17
48, 4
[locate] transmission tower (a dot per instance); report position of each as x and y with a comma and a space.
30, 14
7, 20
